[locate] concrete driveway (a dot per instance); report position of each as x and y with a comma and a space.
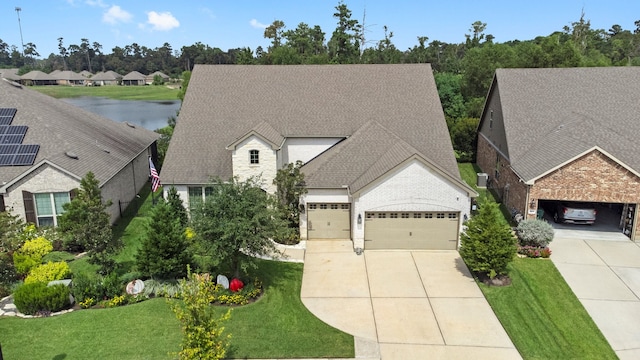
605, 275
402, 304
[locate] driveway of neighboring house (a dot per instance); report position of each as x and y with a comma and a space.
402, 304
603, 270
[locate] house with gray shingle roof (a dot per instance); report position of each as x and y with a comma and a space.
133, 78
68, 77
56, 145
378, 162
37, 77
569, 135
150, 78
106, 78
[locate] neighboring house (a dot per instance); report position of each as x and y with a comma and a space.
133, 78
86, 73
10, 74
379, 164
47, 146
564, 134
37, 77
68, 77
150, 77
106, 78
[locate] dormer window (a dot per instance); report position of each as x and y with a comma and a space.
254, 157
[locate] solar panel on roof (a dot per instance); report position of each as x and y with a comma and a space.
6, 160
11, 139
9, 149
24, 159
5, 120
17, 129
28, 149
3, 129
11, 112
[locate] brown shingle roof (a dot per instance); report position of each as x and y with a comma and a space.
553, 115
59, 127
223, 103
134, 75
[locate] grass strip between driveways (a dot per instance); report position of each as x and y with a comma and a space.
150, 92
543, 317
278, 325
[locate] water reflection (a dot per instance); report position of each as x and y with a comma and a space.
146, 113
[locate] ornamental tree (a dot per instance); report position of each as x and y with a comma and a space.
86, 224
164, 253
235, 224
290, 186
488, 245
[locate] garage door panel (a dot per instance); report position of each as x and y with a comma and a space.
426, 231
328, 221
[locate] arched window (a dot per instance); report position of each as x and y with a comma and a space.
254, 157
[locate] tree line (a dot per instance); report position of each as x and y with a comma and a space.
463, 71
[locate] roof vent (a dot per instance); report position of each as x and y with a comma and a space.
130, 124
107, 151
71, 155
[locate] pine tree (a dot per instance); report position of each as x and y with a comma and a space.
86, 223
175, 204
164, 253
488, 245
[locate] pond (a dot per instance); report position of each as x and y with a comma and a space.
151, 115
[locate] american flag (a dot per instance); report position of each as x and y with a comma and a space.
155, 178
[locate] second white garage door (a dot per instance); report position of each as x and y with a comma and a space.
411, 230
328, 221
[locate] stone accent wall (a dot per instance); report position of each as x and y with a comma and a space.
412, 187
45, 179
266, 169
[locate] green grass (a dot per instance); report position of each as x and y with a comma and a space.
276, 326
469, 173
151, 92
543, 317
147, 330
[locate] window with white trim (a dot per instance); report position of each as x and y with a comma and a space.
49, 207
254, 157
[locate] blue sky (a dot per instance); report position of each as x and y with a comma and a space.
231, 24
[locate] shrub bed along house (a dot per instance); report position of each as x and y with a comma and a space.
38, 298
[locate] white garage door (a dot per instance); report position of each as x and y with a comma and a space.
411, 230
328, 221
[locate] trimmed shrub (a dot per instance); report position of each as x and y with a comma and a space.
38, 297
30, 254
537, 233
37, 247
48, 272
84, 287
112, 285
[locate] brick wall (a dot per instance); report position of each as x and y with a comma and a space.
505, 182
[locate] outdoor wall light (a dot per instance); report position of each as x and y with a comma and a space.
359, 219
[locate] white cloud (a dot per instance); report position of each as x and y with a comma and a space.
96, 3
256, 24
209, 12
162, 21
115, 15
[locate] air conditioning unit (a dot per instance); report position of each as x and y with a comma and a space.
482, 180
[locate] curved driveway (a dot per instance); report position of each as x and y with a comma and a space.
402, 304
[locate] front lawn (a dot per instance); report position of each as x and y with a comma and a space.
543, 317
276, 326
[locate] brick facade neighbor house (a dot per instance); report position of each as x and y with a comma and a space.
47, 146
564, 134
378, 162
